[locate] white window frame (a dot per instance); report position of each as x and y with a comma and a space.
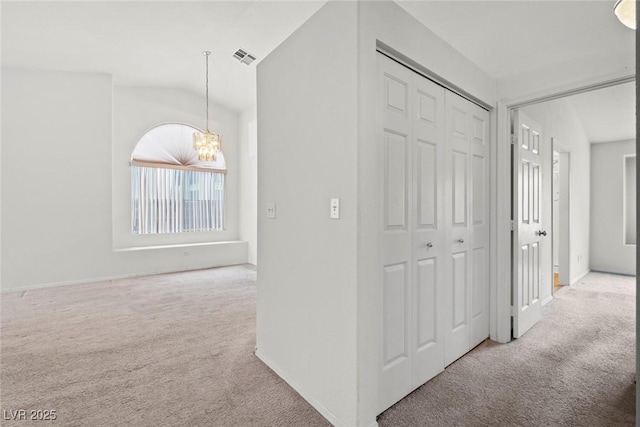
163, 167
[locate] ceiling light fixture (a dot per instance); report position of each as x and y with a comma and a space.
207, 144
625, 10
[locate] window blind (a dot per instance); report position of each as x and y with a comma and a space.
176, 200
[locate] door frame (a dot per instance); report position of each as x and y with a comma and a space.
564, 224
501, 250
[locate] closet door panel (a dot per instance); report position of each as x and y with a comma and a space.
396, 308
428, 230
395, 181
426, 306
468, 215
427, 185
396, 297
478, 196
479, 236
457, 195
459, 177
459, 284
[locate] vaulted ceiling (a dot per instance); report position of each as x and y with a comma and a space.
152, 43
159, 43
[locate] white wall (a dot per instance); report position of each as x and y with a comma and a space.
307, 131
317, 98
57, 187
608, 251
559, 121
249, 182
56, 142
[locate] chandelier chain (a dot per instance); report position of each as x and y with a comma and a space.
206, 54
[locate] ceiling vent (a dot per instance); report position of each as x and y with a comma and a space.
244, 56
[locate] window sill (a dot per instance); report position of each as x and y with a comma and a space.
178, 245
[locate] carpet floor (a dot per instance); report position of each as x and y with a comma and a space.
575, 367
165, 350
177, 350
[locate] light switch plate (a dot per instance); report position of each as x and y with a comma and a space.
271, 210
334, 212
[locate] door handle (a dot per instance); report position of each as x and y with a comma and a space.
541, 233
429, 245
460, 240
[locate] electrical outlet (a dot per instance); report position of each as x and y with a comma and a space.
271, 210
334, 212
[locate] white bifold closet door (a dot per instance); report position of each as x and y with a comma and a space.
467, 217
434, 231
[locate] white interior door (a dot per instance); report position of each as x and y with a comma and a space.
412, 236
467, 214
396, 232
429, 244
529, 162
479, 215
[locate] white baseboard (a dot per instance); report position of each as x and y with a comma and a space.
326, 413
625, 273
547, 299
574, 281
107, 278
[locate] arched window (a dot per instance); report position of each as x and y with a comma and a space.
171, 190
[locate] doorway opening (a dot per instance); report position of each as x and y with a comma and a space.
562, 187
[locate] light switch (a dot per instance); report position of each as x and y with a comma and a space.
335, 209
271, 210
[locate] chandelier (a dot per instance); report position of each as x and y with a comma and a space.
207, 144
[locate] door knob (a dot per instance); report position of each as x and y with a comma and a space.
541, 233
460, 240
429, 245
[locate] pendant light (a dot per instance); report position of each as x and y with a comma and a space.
207, 144
625, 10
